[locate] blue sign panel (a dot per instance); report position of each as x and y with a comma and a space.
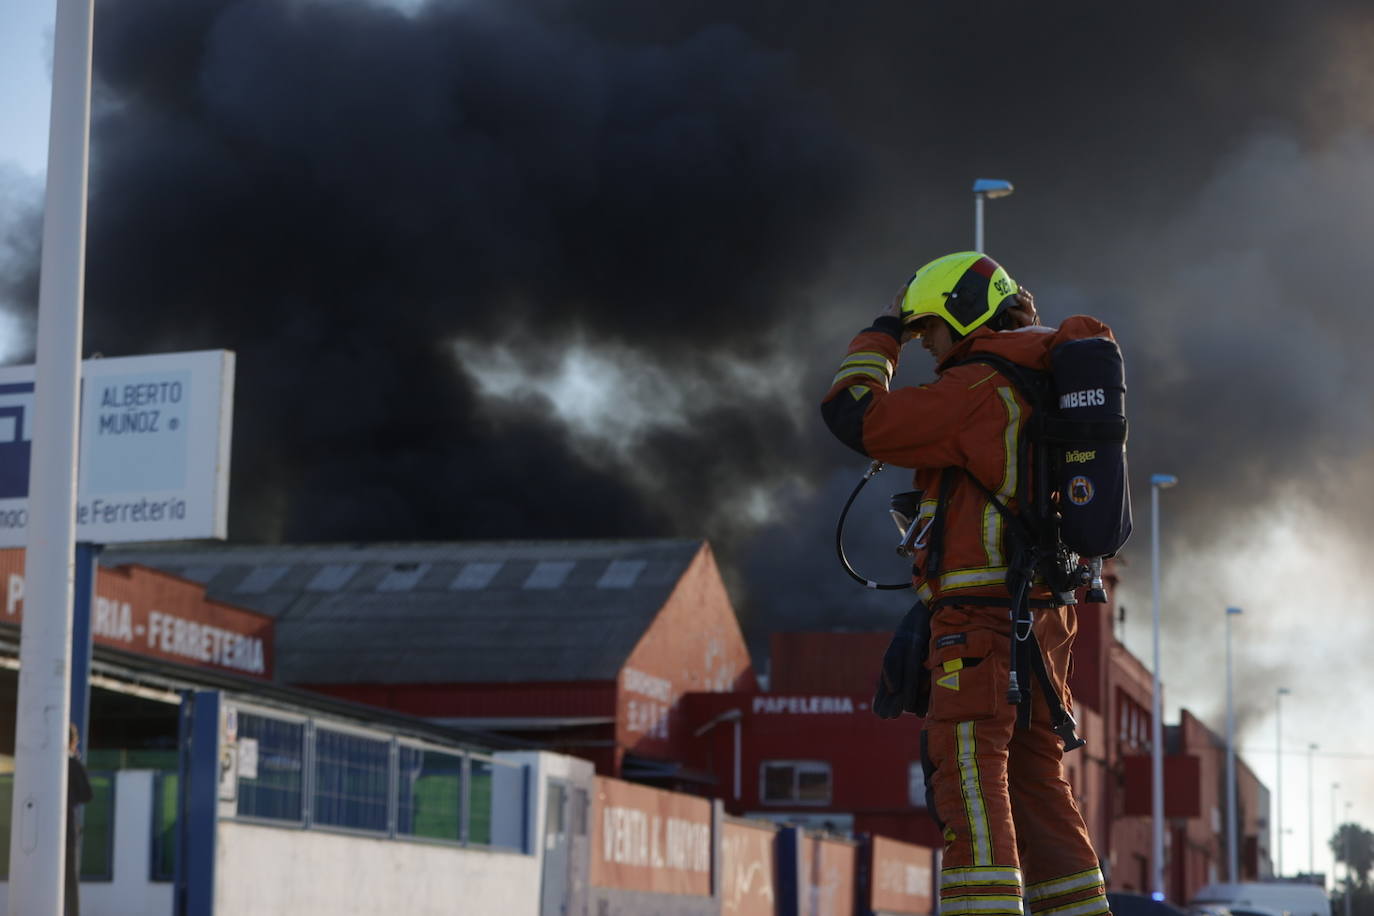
16, 435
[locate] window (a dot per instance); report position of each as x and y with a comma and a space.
319, 774
479, 801
795, 782
1133, 728
430, 790
276, 793
351, 773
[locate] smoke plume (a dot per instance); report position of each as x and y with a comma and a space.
584, 267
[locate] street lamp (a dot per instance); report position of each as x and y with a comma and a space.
990, 189
1157, 482
1278, 770
1232, 868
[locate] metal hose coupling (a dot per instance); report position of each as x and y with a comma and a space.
1067, 730
1013, 689
1097, 594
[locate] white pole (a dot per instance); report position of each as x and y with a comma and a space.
1349, 884
1311, 825
1232, 859
977, 222
39, 815
1278, 773
1156, 728
1334, 787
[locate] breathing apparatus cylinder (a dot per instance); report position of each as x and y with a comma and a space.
1090, 435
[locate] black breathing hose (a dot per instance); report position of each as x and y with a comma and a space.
873, 469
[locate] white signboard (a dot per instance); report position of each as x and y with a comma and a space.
154, 453
248, 758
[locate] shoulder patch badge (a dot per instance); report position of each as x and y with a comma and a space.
1081, 490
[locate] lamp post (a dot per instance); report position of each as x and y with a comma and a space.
1278, 770
1334, 787
1311, 827
1232, 859
1345, 845
990, 189
1157, 482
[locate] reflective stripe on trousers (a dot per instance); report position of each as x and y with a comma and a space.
993, 782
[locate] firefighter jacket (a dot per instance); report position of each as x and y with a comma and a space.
970, 417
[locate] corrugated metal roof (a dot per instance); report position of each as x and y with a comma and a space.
461, 612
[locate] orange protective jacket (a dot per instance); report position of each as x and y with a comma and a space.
971, 416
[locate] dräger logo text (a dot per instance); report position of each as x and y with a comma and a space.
1079, 457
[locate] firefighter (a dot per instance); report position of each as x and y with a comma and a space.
998, 791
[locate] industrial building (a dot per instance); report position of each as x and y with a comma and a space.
476, 676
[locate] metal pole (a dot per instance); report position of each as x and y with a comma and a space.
1278, 774
1311, 826
1156, 728
1349, 884
1334, 787
1232, 867
977, 222
82, 634
39, 815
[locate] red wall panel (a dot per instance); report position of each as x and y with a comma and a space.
1183, 786
694, 644
810, 663
551, 699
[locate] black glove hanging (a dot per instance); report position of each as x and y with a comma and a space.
904, 683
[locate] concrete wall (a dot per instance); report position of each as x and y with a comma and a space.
262, 870
131, 893
568, 889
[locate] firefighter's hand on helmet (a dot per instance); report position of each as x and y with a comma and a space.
895, 310
1023, 313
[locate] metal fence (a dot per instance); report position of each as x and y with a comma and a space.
324, 774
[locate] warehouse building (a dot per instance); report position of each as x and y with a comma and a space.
584, 646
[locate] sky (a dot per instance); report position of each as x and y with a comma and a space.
584, 268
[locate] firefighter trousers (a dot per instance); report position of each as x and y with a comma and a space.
1007, 813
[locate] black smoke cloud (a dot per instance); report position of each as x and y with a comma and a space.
339, 191
687, 209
